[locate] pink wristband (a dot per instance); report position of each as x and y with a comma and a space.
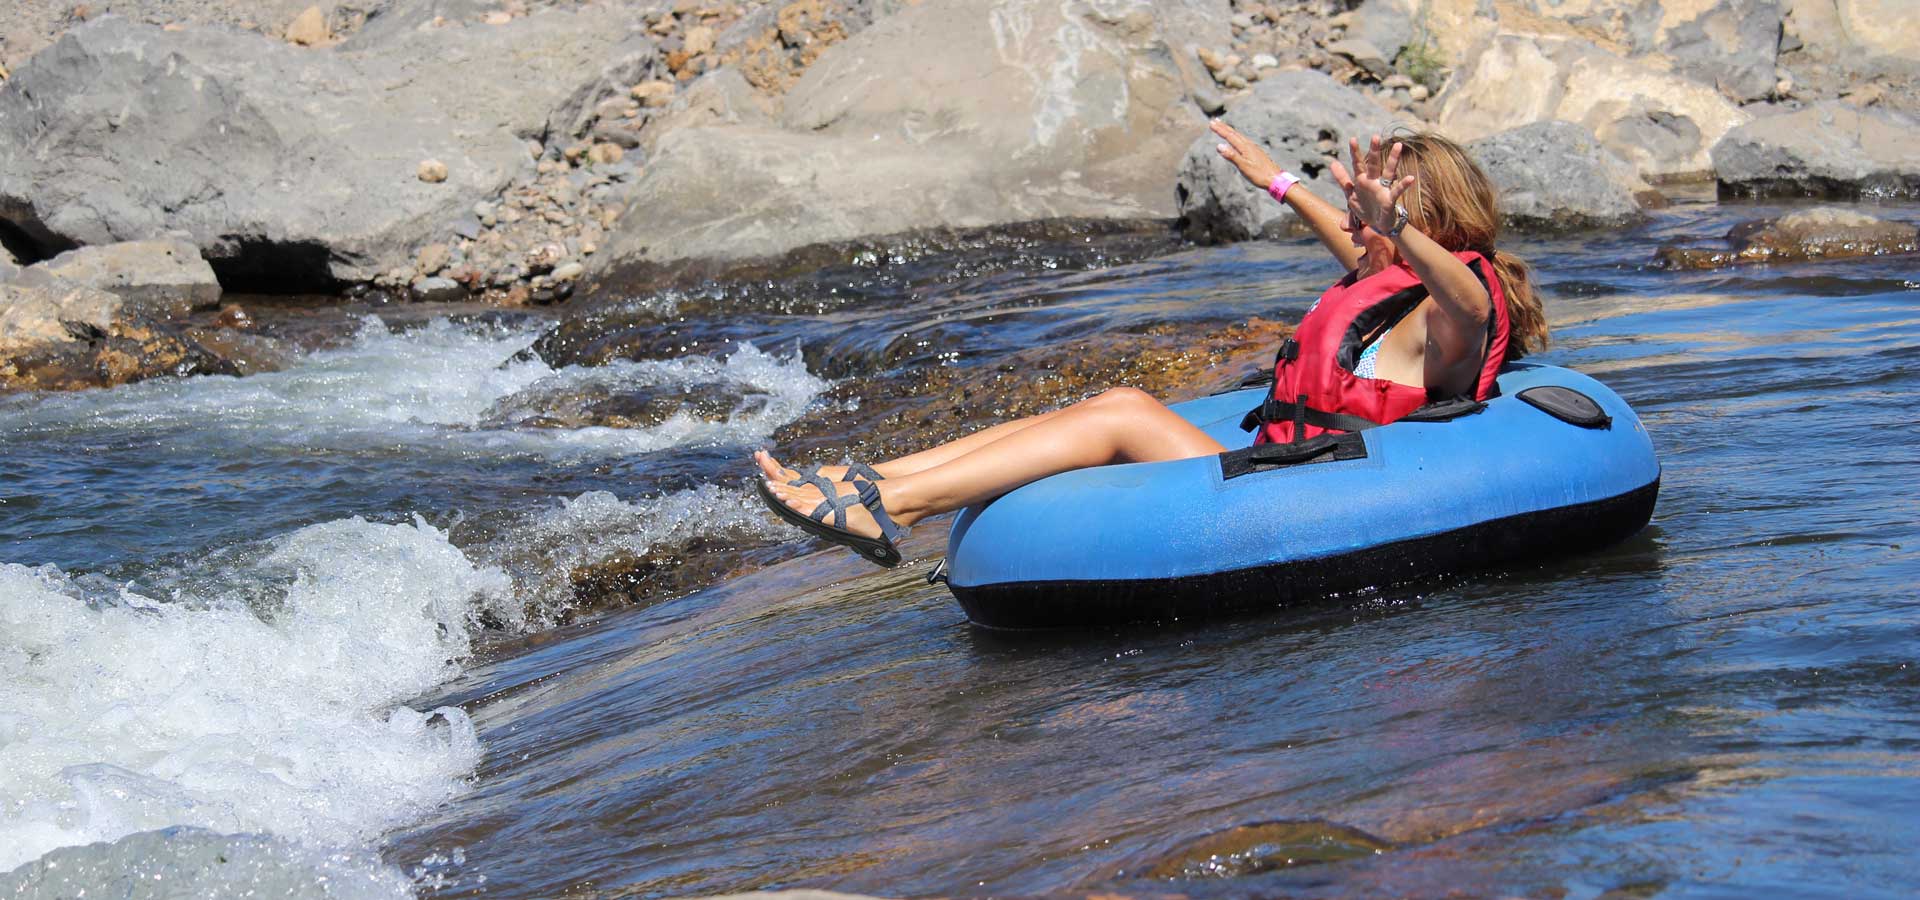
1277, 188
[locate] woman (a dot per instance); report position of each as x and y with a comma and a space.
1426, 311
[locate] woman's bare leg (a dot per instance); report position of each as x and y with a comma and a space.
1121, 425
912, 462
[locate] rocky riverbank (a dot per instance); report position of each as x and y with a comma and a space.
518, 152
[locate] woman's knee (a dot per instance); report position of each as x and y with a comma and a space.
1124, 398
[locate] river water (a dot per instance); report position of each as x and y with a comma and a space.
314, 631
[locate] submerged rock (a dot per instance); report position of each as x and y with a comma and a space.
912, 408
291, 166
1261, 847
1796, 237
597, 405
1555, 176
1829, 149
1298, 118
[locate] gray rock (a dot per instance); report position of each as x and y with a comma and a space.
942, 115
1829, 149
1734, 45
1289, 114
1555, 176
165, 277
438, 290
720, 97
290, 167
467, 226
1385, 24
1364, 54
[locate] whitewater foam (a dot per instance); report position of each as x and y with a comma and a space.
275, 709
545, 548
426, 390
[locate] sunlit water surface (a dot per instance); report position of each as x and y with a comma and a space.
250, 611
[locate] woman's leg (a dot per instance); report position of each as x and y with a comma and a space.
1121, 425
913, 462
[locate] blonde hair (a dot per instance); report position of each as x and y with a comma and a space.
1453, 202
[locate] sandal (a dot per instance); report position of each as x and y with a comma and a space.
855, 472
878, 550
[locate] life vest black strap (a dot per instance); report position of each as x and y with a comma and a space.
1300, 414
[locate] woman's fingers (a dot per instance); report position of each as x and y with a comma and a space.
1359, 162
1391, 172
1340, 176
1400, 187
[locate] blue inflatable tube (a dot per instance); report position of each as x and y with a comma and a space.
1533, 473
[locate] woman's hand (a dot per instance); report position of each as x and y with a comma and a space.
1374, 189
1245, 155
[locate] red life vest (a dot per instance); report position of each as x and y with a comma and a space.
1314, 388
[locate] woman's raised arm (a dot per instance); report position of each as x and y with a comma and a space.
1322, 217
1460, 331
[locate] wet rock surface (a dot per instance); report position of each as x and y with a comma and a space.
57, 335
907, 410
1261, 847
1798, 237
1555, 176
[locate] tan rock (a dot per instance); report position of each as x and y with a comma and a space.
654, 93
1882, 27
35, 316
309, 28
432, 171
497, 17
432, 258
1664, 124
605, 154
163, 278
699, 40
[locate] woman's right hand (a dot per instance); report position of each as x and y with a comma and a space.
1245, 155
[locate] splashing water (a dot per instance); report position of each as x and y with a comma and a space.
121, 713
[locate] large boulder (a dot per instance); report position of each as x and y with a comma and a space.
167, 277
1555, 176
1880, 27
1828, 149
1733, 45
1662, 123
1299, 118
291, 166
943, 115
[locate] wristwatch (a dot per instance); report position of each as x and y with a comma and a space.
1399, 221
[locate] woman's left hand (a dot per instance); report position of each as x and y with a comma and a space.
1374, 189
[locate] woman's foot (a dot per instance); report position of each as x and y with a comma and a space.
806, 498
776, 472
